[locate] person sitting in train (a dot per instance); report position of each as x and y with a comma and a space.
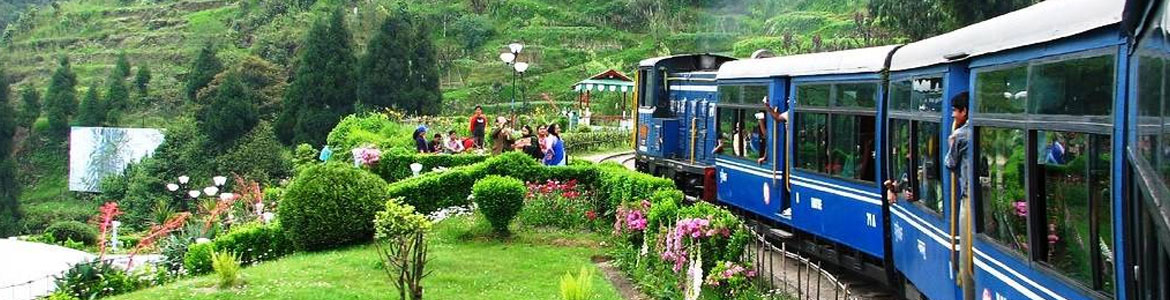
759, 140
781, 117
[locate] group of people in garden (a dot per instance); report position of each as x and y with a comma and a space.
544, 144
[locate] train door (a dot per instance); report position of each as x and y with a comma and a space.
745, 151
1147, 218
917, 179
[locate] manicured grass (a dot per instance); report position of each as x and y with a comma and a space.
465, 264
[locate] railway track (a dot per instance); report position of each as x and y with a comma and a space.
792, 275
624, 158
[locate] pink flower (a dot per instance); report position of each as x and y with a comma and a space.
1021, 208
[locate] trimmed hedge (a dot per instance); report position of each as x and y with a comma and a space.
252, 242
610, 181
331, 205
499, 199
73, 230
395, 167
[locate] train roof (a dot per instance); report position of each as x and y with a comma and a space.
650, 62
1043, 22
863, 60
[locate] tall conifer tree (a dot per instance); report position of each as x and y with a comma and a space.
323, 89
93, 110
231, 113
400, 69
203, 70
30, 106
61, 98
10, 212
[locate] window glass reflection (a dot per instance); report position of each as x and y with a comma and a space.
1002, 91
1001, 162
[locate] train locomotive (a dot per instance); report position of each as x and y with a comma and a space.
1069, 152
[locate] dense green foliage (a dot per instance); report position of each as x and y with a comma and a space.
61, 98
142, 82
73, 230
198, 258
117, 97
331, 205
231, 113
92, 111
10, 211
322, 91
923, 19
30, 106
97, 279
499, 199
254, 242
373, 129
398, 59
204, 68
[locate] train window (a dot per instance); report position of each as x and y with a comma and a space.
1002, 91
643, 79
1075, 189
851, 143
900, 93
812, 141
813, 94
730, 94
1081, 86
927, 95
929, 189
754, 94
741, 133
1150, 97
900, 158
856, 95
1000, 176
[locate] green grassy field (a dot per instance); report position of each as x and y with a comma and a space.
466, 265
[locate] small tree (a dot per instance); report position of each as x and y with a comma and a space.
30, 106
122, 66
499, 199
93, 110
400, 237
10, 212
203, 70
61, 98
231, 113
142, 81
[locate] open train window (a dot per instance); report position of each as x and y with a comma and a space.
1042, 163
835, 129
741, 124
915, 158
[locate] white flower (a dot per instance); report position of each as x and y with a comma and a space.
202, 241
695, 276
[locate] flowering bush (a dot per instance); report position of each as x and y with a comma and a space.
558, 204
367, 156
729, 278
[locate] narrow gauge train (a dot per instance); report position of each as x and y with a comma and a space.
1070, 151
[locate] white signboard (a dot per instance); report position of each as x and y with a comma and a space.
96, 152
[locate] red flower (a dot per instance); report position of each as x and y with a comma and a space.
591, 215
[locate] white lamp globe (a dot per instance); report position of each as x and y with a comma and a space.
172, 187
521, 67
184, 179
193, 193
211, 191
219, 180
507, 57
515, 47
416, 167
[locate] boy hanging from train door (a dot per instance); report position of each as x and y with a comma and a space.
780, 117
957, 161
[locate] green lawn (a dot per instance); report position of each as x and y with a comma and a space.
465, 265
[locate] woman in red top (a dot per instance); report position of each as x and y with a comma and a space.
478, 126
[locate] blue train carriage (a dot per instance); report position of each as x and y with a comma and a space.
672, 137
1046, 88
828, 196
1146, 218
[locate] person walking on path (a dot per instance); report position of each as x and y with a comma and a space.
478, 126
501, 136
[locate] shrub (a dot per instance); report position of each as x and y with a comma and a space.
395, 167
500, 199
255, 242
557, 204
331, 205
73, 230
400, 237
96, 279
356, 130
227, 268
198, 258
577, 288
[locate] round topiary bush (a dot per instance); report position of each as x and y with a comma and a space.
331, 205
73, 230
500, 199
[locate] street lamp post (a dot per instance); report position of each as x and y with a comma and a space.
509, 58
184, 195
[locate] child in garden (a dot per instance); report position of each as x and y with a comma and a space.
478, 126
454, 145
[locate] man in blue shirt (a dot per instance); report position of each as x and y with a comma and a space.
958, 162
